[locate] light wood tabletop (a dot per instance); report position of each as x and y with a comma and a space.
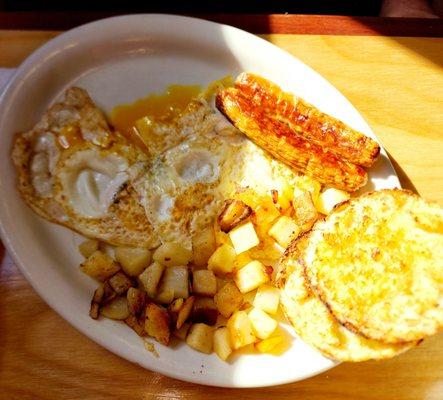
397, 85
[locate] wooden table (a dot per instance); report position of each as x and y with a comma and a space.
397, 85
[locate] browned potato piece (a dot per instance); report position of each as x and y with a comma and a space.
94, 310
133, 323
176, 280
240, 329
98, 294
157, 323
132, 259
185, 311
176, 305
120, 283
174, 309
200, 338
96, 301
204, 283
164, 296
150, 278
205, 311
172, 254
136, 300
99, 266
183, 331
109, 293
305, 213
228, 299
203, 245
222, 343
88, 247
233, 212
116, 309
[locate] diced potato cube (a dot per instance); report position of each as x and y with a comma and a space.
222, 343
204, 310
243, 237
133, 323
267, 345
262, 324
240, 330
203, 245
120, 283
98, 294
285, 198
150, 278
251, 276
200, 338
221, 321
232, 214
157, 323
222, 260
267, 298
308, 184
284, 230
176, 305
204, 283
329, 198
264, 215
222, 282
183, 331
228, 299
116, 309
94, 310
136, 300
99, 266
305, 213
96, 301
88, 247
164, 296
248, 299
249, 197
133, 260
175, 279
107, 249
172, 254
185, 311
109, 293
221, 237
241, 260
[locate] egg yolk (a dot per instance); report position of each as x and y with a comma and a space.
135, 120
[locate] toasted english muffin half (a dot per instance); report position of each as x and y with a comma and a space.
377, 262
74, 171
314, 323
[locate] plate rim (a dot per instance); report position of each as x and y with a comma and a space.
8, 90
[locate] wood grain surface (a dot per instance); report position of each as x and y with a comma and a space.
257, 23
397, 85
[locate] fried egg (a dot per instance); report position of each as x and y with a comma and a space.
74, 171
186, 185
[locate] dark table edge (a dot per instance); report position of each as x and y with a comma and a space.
255, 23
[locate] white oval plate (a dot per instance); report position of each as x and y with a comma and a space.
119, 60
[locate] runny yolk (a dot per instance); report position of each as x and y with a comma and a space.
161, 107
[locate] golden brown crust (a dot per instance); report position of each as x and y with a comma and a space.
394, 328
313, 321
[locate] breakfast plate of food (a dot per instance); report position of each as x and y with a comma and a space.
205, 205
